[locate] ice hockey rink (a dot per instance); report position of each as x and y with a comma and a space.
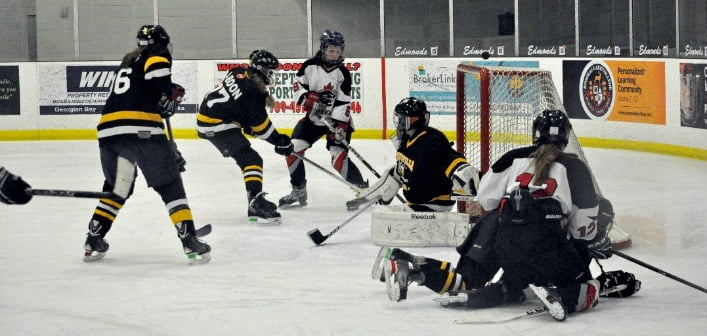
274, 281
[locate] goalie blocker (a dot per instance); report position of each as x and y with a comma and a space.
401, 227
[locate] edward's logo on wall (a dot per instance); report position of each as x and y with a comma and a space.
96, 78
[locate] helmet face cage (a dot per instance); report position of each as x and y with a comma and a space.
331, 38
265, 63
410, 113
150, 34
551, 127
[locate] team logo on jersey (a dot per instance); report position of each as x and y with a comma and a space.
597, 89
97, 78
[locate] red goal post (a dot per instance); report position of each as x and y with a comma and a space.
496, 107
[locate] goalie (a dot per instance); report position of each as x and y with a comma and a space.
544, 224
427, 168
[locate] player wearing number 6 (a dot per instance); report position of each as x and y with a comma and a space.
237, 106
131, 126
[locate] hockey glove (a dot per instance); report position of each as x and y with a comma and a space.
179, 159
168, 105
600, 248
312, 98
465, 180
283, 145
338, 131
327, 98
12, 188
618, 284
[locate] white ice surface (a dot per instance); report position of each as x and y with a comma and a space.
274, 281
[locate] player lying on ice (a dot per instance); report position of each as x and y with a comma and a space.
543, 225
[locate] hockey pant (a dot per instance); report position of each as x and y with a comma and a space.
304, 136
155, 158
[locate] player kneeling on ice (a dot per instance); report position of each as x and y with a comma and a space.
428, 169
240, 105
543, 225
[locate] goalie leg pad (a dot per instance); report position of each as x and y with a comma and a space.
418, 229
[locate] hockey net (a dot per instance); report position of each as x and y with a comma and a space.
496, 107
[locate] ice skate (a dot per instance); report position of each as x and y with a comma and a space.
262, 211
552, 301
196, 250
298, 194
95, 246
398, 276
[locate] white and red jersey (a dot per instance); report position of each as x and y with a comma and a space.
569, 182
315, 77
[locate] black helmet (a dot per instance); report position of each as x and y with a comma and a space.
551, 127
265, 63
331, 38
411, 113
149, 35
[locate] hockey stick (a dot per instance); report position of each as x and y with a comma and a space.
355, 153
317, 236
659, 271
124, 178
353, 187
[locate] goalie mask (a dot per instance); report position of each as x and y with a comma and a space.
331, 43
265, 64
410, 115
551, 127
150, 35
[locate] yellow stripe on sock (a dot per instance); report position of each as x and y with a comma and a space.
181, 215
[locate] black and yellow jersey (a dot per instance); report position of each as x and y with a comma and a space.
132, 107
425, 163
238, 102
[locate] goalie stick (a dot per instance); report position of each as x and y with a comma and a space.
318, 238
124, 177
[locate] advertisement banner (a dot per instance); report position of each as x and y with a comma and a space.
615, 90
693, 95
282, 90
9, 90
435, 81
83, 89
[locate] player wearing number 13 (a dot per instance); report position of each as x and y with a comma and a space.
131, 126
239, 105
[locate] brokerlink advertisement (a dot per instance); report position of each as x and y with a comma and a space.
83, 89
615, 90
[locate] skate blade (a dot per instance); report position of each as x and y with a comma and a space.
198, 259
292, 205
394, 291
89, 256
265, 221
377, 270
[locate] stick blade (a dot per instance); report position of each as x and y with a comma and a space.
317, 237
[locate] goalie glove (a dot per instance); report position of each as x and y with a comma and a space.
386, 187
465, 180
600, 248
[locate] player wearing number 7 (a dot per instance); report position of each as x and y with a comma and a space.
237, 106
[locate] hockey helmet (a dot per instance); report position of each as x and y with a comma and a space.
151, 34
551, 127
331, 38
411, 113
265, 64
